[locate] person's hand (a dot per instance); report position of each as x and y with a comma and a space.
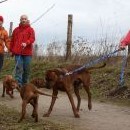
24, 45
122, 48
11, 54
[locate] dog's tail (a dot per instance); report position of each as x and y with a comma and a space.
42, 93
98, 67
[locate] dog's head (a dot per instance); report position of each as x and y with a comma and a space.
38, 82
52, 76
12, 83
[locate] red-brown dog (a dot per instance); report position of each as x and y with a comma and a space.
29, 94
56, 80
7, 82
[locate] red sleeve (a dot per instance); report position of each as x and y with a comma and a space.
31, 37
125, 41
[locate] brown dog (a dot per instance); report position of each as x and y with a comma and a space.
7, 82
39, 82
29, 94
55, 79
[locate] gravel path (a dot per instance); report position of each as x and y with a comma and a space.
102, 117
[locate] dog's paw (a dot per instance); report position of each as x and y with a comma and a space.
36, 120
33, 116
12, 96
77, 115
19, 121
46, 115
3, 95
90, 107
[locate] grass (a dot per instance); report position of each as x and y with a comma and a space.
38, 67
102, 80
9, 118
106, 79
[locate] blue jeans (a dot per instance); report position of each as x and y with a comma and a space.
1, 61
22, 68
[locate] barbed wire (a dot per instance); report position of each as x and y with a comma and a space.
3, 1
43, 14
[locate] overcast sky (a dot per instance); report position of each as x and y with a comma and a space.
91, 18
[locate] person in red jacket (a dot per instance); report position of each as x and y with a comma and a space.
4, 41
21, 47
125, 41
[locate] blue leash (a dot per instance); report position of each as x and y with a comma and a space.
87, 65
121, 80
17, 63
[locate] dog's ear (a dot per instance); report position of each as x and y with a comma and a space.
8, 82
13, 81
33, 81
59, 72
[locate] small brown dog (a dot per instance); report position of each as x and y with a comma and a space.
57, 80
29, 94
7, 82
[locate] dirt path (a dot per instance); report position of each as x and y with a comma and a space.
102, 117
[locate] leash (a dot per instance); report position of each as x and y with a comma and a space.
13, 72
87, 65
121, 80
17, 63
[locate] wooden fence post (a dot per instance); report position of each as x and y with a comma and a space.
10, 29
69, 37
35, 50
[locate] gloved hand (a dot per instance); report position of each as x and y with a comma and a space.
122, 48
24, 45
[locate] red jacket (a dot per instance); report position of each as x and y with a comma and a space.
22, 34
126, 41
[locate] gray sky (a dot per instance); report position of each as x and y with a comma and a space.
92, 19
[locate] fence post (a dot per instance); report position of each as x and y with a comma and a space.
35, 50
10, 29
69, 37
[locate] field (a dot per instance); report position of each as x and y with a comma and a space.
102, 82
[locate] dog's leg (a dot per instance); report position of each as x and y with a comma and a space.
10, 94
3, 94
76, 90
55, 93
36, 109
86, 87
32, 103
24, 104
76, 114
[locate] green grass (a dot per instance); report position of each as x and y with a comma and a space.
102, 80
38, 67
9, 118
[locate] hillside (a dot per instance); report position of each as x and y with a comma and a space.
103, 81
